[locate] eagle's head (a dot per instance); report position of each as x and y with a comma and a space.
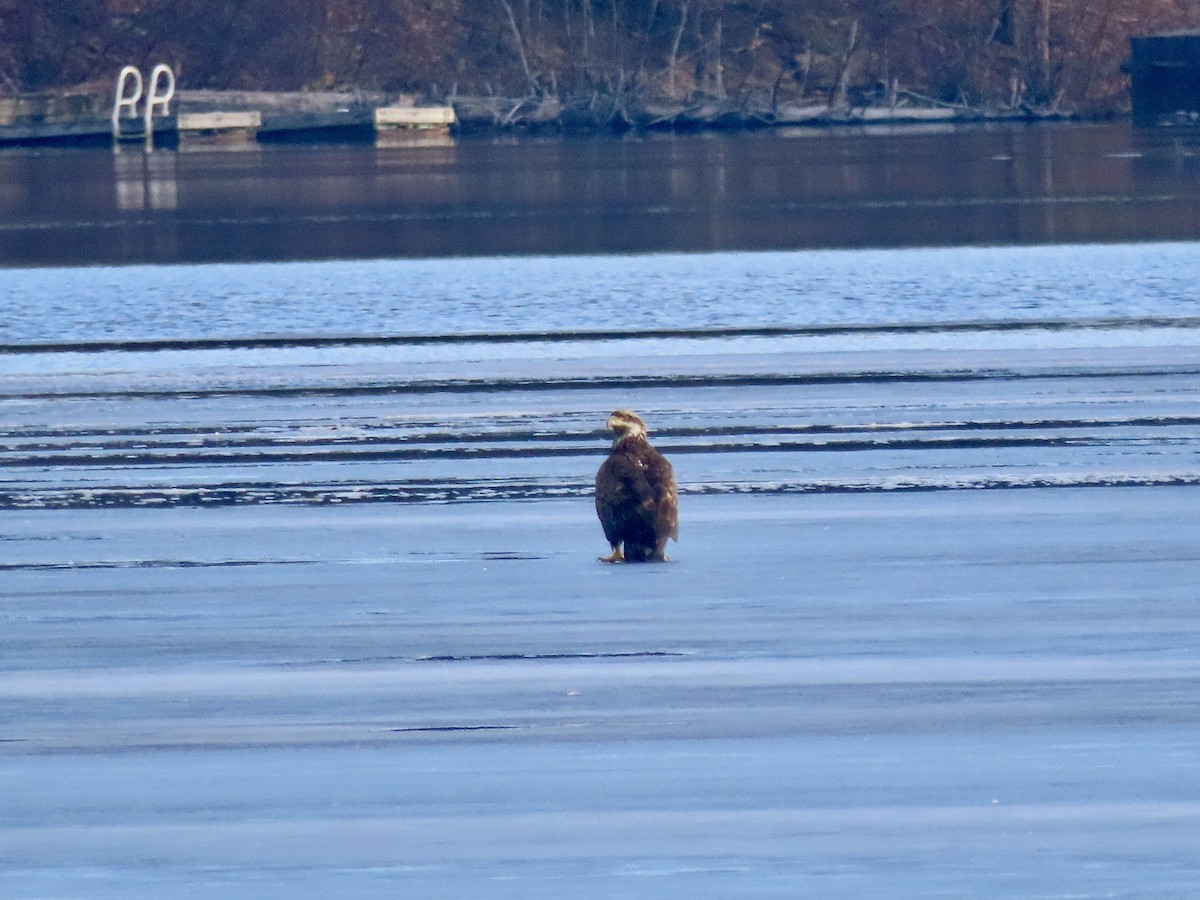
626, 425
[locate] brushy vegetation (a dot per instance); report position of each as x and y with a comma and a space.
1043, 55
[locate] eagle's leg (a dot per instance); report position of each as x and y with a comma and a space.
660, 551
615, 556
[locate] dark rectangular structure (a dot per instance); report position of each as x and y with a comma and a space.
1165, 78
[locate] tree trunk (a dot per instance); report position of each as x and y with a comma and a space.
718, 68
512, 23
1042, 39
645, 41
674, 59
838, 98
589, 33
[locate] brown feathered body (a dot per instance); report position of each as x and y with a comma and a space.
636, 498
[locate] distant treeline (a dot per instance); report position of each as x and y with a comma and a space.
1042, 55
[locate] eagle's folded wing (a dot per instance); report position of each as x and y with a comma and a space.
625, 498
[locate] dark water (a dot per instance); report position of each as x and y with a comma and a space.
778, 190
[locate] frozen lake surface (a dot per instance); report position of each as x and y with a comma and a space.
298, 590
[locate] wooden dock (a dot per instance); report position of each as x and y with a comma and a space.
200, 121
220, 127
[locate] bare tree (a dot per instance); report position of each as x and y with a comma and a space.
718, 62
985, 51
520, 42
675, 42
837, 98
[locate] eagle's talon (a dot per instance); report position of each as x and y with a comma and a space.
614, 557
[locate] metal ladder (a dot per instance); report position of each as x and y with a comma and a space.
127, 124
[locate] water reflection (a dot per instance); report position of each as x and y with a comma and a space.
145, 180
777, 190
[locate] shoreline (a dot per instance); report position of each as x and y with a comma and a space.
349, 117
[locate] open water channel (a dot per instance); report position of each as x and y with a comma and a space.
298, 579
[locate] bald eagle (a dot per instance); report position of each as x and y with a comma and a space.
636, 498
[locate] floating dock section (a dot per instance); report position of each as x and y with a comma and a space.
217, 128
413, 124
141, 112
